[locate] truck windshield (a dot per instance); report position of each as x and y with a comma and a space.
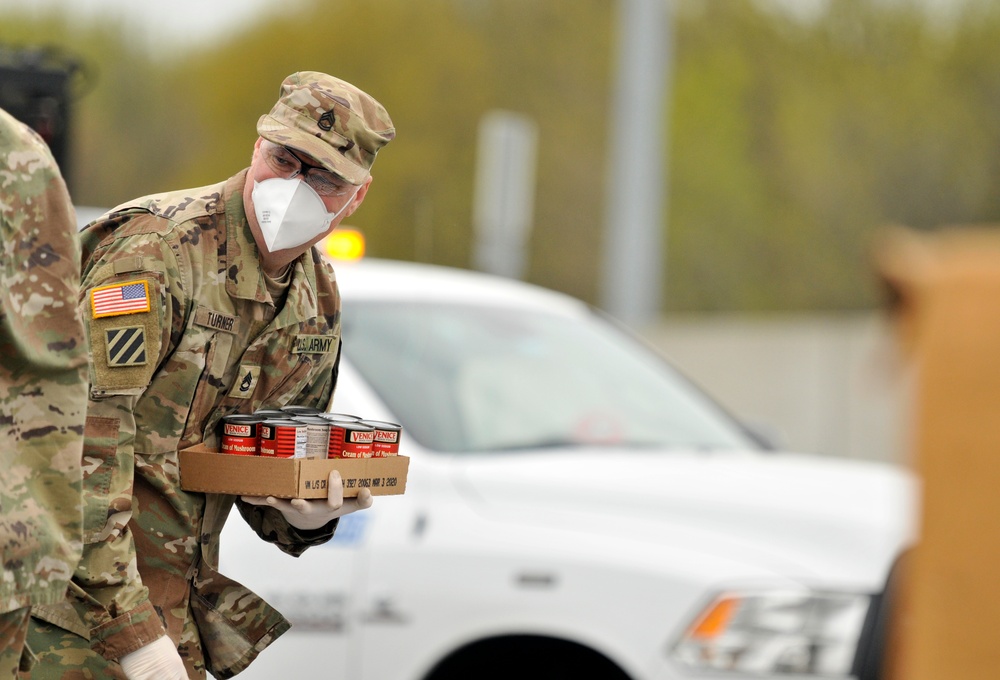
480, 379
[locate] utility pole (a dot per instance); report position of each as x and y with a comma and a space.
504, 198
632, 275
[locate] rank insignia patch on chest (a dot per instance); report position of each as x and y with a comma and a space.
125, 346
122, 298
246, 382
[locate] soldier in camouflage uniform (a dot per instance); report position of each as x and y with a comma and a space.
200, 304
43, 384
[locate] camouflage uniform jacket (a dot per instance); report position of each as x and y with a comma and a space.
202, 342
43, 373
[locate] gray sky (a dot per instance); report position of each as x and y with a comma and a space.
182, 22
177, 22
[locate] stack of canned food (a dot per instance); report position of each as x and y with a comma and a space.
306, 432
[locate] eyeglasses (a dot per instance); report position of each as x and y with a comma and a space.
286, 164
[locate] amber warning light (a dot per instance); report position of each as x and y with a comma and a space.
343, 244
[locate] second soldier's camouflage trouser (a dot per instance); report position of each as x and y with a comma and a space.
13, 628
62, 655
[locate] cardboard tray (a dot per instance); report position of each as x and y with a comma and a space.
208, 471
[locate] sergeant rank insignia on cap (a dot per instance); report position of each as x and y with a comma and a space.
122, 298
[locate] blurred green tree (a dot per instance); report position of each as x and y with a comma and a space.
791, 141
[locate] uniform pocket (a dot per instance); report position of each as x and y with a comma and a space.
167, 402
235, 624
290, 383
100, 446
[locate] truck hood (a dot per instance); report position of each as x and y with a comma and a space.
812, 517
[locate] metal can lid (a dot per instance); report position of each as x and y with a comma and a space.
311, 420
270, 413
282, 422
351, 425
243, 418
340, 416
382, 424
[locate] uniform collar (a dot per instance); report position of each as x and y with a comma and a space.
244, 276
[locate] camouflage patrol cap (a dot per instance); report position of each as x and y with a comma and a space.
331, 120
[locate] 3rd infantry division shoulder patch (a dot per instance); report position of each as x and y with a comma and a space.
126, 346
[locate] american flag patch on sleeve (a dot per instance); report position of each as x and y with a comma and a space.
122, 298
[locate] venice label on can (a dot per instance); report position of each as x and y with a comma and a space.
386, 441
240, 435
350, 439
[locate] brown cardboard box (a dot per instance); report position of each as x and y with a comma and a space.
208, 471
945, 613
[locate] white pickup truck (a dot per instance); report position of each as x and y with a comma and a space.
574, 509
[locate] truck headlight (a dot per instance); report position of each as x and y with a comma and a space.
794, 632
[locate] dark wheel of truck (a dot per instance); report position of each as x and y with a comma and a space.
869, 664
526, 658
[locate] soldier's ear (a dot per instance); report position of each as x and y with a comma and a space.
358, 198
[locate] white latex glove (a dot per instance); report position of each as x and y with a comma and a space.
158, 660
313, 514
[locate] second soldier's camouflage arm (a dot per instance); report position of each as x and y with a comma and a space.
109, 594
43, 373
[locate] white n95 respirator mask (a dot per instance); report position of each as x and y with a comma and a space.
290, 212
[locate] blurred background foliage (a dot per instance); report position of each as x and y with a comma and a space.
791, 141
